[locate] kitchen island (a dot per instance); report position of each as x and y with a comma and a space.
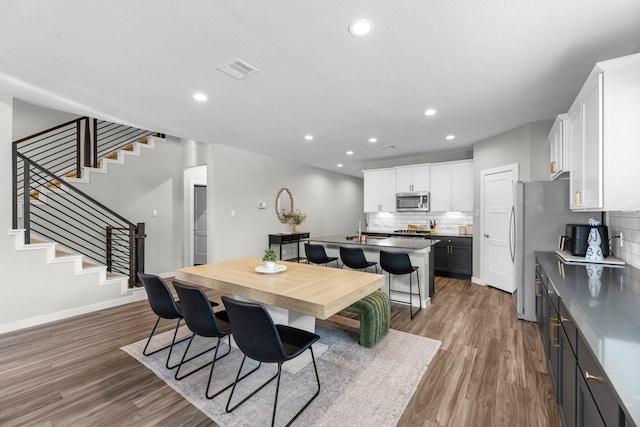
419, 251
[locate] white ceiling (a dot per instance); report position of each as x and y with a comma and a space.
486, 66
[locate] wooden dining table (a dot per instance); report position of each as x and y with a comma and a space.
301, 293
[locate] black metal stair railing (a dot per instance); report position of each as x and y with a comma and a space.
45, 205
60, 212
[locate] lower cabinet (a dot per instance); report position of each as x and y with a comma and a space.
584, 394
453, 257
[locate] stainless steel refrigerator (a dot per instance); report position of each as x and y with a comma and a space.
541, 211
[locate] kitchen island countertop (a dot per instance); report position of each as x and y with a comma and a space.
409, 243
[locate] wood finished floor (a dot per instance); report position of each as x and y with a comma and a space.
489, 371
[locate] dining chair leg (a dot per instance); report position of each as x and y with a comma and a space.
237, 380
315, 368
229, 385
169, 346
184, 360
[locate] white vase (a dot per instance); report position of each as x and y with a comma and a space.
271, 265
594, 251
296, 228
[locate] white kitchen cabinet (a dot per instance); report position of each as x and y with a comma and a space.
452, 186
412, 178
380, 190
559, 147
604, 132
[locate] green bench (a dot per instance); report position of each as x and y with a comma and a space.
375, 317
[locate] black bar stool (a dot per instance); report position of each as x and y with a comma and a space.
354, 258
317, 255
398, 263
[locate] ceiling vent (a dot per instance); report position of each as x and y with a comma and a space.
238, 69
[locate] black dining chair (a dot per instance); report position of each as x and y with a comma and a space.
165, 307
203, 321
317, 255
398, 263
354, 258
260, 339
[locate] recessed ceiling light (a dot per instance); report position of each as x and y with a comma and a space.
373, 140
430, 112
361, 27
450, 137
349, 153
308, 137
339, 165
201, 97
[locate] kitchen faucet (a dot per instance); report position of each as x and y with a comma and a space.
360, 226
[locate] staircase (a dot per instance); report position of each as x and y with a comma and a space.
63, 221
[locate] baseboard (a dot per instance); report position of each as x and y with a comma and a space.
76, 311
477, 281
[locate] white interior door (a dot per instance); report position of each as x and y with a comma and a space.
496, 205
200, 225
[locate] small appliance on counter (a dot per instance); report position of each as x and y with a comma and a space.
575, 239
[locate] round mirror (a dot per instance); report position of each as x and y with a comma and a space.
284, 204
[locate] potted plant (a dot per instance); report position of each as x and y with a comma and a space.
296, 217
270, 258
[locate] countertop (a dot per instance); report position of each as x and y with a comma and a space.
607, 311
431, 235
410, 243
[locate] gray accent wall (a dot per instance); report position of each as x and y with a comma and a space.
241, 180
527, 146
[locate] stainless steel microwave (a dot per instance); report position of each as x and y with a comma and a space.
412, 202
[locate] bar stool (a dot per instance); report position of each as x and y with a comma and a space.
398, 263
354, 258
317, 255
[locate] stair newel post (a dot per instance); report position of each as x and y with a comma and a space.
26, 197
94, 142
87, 143
78, 150
109, 248
14, 187
137, 262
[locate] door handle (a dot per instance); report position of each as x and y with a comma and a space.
512, 234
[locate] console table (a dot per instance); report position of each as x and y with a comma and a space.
288, 238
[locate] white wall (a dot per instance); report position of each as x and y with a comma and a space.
627, 223
151, 181
239, 180
29, 119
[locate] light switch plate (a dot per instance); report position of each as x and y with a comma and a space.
262, 205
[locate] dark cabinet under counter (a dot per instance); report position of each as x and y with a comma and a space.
288, 238
590, 326
453, 256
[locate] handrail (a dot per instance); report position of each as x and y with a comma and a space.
78, 191
35, 135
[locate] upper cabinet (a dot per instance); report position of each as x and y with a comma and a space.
559, 147
604, 131
412, 178
452, 186
380, 190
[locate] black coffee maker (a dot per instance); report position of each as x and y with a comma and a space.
576, 236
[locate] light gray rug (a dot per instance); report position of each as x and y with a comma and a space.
359, 386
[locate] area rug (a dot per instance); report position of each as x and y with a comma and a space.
359, 386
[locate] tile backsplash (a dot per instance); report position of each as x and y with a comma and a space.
448, 222
627, 223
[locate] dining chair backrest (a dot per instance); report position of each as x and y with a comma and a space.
396, 262
197, 311
160, 297
254, 331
